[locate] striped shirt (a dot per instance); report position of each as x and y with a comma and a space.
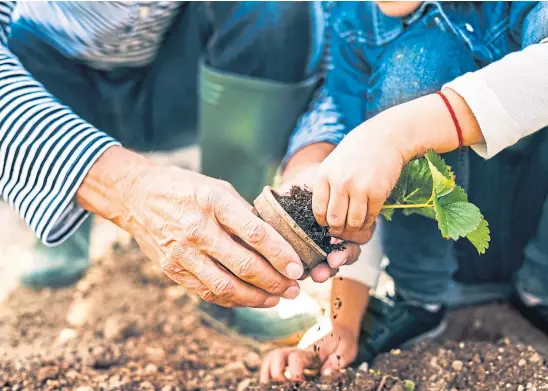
45, 149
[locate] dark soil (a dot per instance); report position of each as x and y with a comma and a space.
127, 327
298, 204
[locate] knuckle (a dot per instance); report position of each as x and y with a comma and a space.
224, 288
170, 268
275, 286
334, 220
354, 224
194, 232
256, 300
210, 198
245, 268
254, 232
370, 219
207, 295
278, 254
347, 182
225, 184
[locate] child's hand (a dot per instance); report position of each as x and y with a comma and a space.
334, 351
307, 177
357, 177
355, 180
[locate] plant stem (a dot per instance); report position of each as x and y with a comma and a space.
410, 195
408, 206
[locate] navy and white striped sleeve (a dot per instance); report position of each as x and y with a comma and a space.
45, 149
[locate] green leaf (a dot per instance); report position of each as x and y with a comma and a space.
457, 195
387, 214
414, 185
480, 237
442, 184
427, 187
437, 161
456, 219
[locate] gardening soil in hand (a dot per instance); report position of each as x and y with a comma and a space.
298, 204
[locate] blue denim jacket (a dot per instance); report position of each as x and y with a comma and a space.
490, 30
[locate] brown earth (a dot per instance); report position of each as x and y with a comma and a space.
298, 204
127, 327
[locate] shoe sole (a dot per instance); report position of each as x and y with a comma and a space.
428, 336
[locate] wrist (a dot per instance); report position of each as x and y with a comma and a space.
350, 329
105, 188
426, 123
429, 126
308, 156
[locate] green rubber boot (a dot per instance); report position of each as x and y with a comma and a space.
59, 266
245, 124
282, 325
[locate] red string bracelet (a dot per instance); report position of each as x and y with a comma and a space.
453, 115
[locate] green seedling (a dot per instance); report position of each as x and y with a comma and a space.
408, 385
427, 187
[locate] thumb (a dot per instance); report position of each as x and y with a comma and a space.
340, 358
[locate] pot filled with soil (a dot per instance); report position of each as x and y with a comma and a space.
291, 215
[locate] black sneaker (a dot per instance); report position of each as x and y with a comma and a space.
537, 315
395, 323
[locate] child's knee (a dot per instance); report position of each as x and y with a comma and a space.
417, 67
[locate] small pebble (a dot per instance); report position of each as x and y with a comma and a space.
146, 385
45, 373
157, 355
252, 361
535, 358
522, 362
457, 365
66, 335
151, 369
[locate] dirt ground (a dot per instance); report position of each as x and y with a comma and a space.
127, 327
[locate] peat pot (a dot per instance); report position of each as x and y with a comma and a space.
269, 210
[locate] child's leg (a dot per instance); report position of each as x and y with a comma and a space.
532, 279
425, 57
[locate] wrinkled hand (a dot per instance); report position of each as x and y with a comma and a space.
336, 350
355, 180
202, 233
322, 272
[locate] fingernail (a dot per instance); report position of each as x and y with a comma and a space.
294, 271
271, 301
291, 292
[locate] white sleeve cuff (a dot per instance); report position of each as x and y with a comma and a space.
367, 269
498, 127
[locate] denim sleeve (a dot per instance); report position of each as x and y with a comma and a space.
534, 28
338, 105
321, 123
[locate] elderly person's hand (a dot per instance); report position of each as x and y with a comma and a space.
198, 229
